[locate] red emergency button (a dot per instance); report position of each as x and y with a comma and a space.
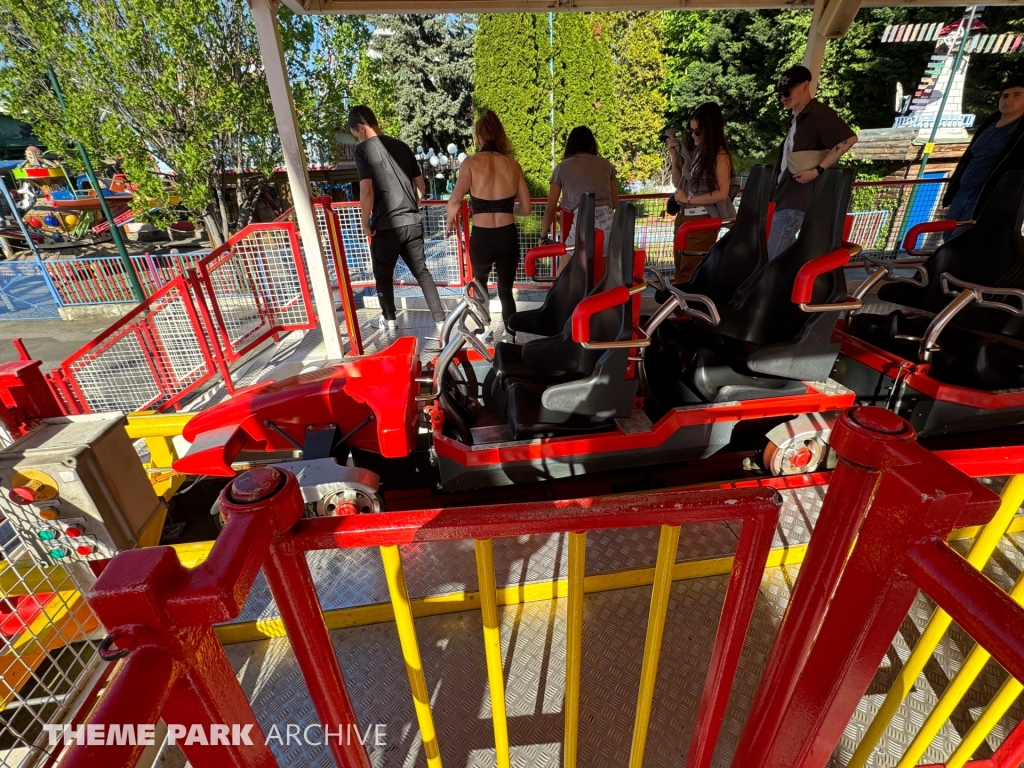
73, 532
25, 494
84, 550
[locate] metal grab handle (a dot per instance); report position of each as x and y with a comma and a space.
459, 338
681, 302
885, 272
659, 279
979, 292
970, 293
474, 305
641, 340
850, 304
711, 317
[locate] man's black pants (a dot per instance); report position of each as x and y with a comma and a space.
385, 247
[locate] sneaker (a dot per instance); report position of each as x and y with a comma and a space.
439, 324
387, 325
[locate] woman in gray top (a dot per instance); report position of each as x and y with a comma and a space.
582, 170
705, 185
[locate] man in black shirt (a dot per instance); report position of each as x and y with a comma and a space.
817, 138
390, 187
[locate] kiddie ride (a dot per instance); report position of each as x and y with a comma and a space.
741, 353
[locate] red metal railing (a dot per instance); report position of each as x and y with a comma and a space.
880, 537
194, 327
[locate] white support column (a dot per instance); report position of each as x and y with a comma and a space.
264, 14
814, 53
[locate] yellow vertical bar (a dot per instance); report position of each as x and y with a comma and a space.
395, 575
955, 691
492, 647
981, 551
993, 713
574, 647
667, 545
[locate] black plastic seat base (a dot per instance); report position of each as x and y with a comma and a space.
529, 419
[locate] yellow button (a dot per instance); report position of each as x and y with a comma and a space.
48, 514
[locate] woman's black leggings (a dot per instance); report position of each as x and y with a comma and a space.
498, 246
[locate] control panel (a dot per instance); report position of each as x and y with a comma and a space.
74, 489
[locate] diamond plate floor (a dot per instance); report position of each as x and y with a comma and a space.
533, 643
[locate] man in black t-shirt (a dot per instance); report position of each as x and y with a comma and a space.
390, 187
817, 138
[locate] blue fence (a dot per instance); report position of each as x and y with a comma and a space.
24, 294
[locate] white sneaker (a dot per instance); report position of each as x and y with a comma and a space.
440, 325
386, 325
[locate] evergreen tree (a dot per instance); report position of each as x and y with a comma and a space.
512, 78
429, 59
640, 68
585, 81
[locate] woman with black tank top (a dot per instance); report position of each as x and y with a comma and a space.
494, 181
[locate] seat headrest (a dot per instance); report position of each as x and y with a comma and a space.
757, 194
618, 265
1005, 206
822, 228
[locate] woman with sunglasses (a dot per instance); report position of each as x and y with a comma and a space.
705, 183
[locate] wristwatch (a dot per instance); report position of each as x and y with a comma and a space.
819, 169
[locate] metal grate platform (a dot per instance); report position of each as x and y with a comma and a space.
533, 648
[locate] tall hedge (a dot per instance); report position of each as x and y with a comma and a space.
585, 81
511, 77
640, 69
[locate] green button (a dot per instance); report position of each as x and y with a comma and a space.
47, 535
58, 553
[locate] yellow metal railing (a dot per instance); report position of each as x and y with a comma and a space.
981, 551
159, 431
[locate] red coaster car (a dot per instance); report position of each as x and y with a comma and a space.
951, 358
748, 355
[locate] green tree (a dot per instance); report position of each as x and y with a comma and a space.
372, 87
429, 59
640, 69
180, 79
585, 81
733, 57
512, 78
323, 54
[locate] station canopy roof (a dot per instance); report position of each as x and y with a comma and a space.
543, 6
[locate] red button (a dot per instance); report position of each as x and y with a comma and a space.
73, 532
801, 458
84, 550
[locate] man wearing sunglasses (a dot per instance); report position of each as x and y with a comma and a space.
817, 138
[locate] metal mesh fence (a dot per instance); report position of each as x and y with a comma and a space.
443, 254
151, 358
24, 294
885, 210
48, 648
256, 286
